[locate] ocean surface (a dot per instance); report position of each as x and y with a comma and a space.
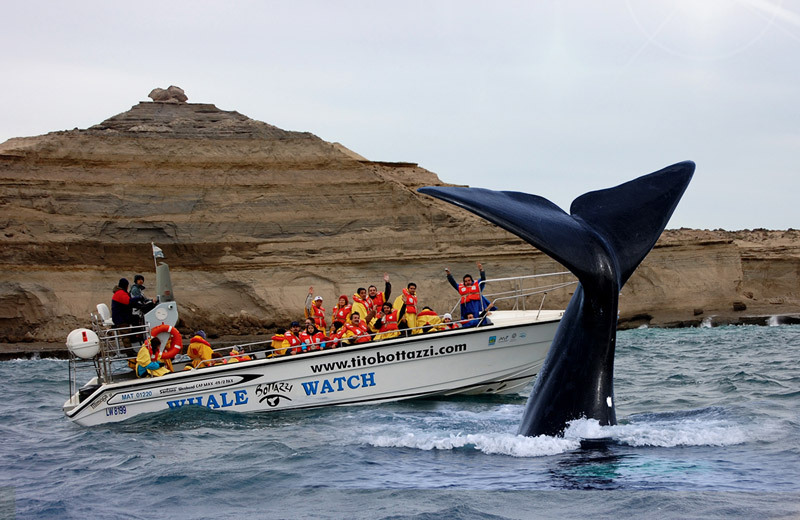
709, 428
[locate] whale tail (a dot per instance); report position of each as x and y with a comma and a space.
604, 238
627, 219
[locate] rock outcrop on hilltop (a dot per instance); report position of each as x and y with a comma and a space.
250, 215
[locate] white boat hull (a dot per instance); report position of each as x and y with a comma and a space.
501, 358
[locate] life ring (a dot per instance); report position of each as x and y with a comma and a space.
175, 336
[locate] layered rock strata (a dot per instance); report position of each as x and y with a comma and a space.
250, 215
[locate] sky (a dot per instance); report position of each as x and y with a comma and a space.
550, 97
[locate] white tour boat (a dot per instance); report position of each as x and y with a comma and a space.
500, 356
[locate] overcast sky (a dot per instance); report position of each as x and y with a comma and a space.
551, 97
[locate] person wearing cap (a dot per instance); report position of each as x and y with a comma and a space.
122, 316
199, 351
140, 304
315, 310
291, 339
449, 324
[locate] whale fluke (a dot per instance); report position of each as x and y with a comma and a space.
604, 238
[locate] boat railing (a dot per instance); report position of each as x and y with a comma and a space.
522, 288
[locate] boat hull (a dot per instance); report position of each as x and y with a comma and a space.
484, 360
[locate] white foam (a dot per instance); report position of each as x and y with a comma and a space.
670, 433
489, 443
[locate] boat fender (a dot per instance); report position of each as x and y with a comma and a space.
175, 336
83, 343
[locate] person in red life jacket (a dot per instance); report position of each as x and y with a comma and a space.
472, 301
199, 351
148, 360
291, 339
449, 324
312, 337
315, 310
427, 321
385, 323
356, 331
277, 343
407, 303
236, 355
341, 313
379, 298
335, 337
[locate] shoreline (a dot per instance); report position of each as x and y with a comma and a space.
58, 350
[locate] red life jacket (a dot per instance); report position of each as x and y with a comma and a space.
377, 302
452, 325
294, 342
314, 340
340, 313
411, 302
360, 330
389, 321
469, 292
318, 313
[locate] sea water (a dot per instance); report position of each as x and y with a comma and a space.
709, 427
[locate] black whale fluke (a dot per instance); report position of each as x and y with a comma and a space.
604, 238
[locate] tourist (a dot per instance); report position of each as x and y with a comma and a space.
122, 316
406, 305
312, 337
277, 343
385, 323
341, 312
379, 298
148, 360
363, 305
449, 324
356, 330
199, 351
236, 355
472, 301
314, 309
291, 339
140, 305
427, 321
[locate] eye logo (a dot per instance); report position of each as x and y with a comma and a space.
273, 400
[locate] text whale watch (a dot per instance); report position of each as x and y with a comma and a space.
602, 240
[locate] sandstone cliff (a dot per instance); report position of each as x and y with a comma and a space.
250, 215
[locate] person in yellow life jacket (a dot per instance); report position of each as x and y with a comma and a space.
147, 360
291, 341
379, 298
356, 330
427, 321
277, 343
237, 354
315, 310
341, 312
199, 351
385, 323
409, 300
363, 305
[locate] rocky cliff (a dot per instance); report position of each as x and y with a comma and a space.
250, 215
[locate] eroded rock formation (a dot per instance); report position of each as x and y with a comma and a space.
250, 215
